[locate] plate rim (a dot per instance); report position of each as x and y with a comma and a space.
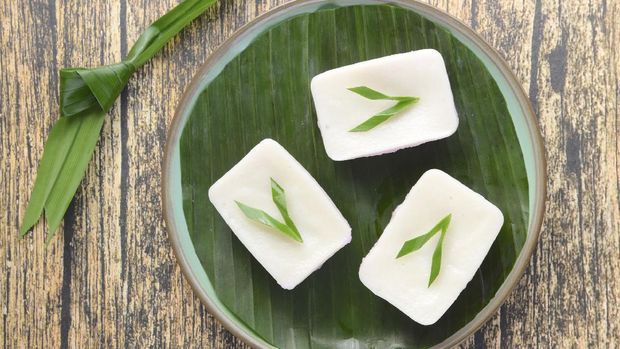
430, 12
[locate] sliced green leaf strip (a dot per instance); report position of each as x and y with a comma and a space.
402, 104
369, 93
266, 219
279, 198
419, 241
436, 263
383, 116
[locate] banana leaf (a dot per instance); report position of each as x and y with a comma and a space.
264, 92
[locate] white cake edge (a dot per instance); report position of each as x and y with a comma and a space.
337, 248
336, 157
369, 61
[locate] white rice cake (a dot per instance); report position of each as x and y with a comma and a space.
323, 228
413, 74
404, 281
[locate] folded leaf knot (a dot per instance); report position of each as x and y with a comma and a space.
85, 90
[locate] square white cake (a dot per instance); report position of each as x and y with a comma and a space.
322, 227
404, 281
419, 74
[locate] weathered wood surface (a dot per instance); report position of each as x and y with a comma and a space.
110, 278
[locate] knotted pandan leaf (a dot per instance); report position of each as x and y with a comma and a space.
86, 95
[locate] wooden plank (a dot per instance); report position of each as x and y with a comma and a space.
577, 267
156, 292
91, 235
32, 277
110, 278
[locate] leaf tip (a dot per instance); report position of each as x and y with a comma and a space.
434, 274
275, 185
446, 221
51, 232
23, 230
28, 222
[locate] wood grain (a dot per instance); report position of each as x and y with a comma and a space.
111, 280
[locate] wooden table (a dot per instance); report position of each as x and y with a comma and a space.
110, 278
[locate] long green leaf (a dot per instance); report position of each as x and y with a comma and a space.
73, 168
68, 150
87, 89
58, 145
264, 92
87, 95
163, 29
